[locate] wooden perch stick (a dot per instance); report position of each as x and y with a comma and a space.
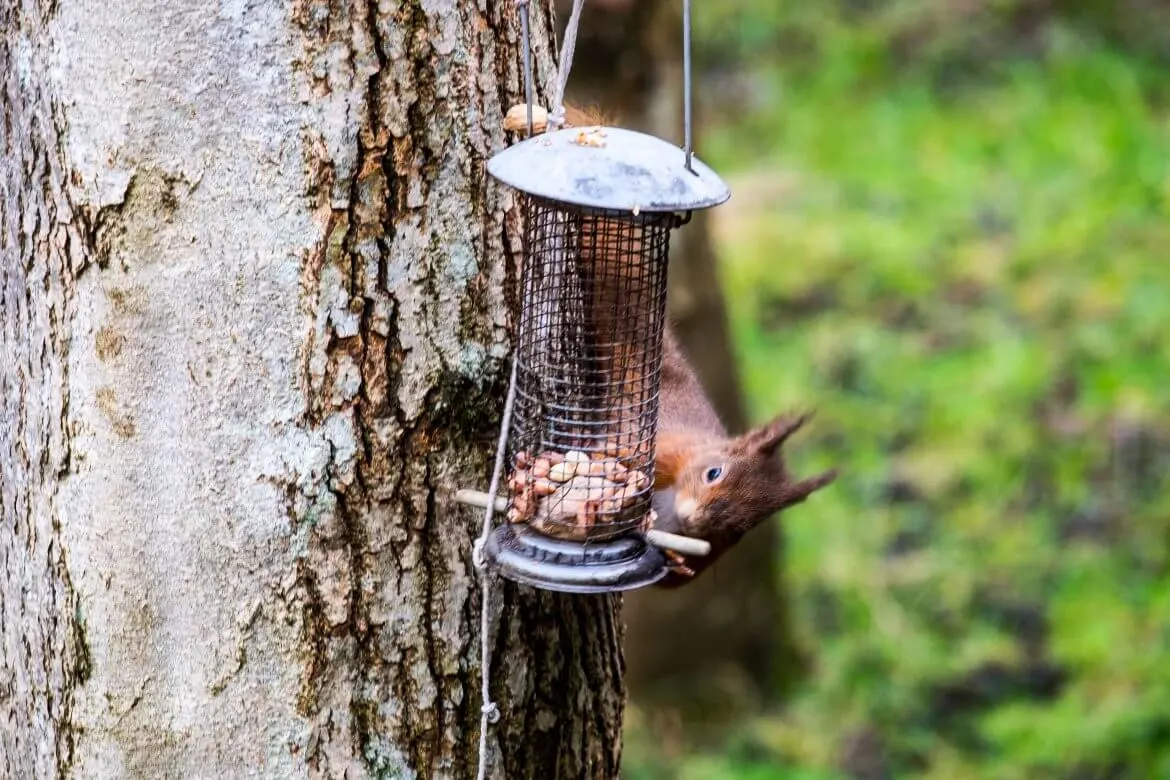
679, 544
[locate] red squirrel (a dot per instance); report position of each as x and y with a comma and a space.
707, 484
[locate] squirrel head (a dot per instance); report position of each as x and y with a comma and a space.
720, 489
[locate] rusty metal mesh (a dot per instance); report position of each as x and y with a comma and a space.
593, 304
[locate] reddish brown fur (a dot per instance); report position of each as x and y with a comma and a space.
586, 117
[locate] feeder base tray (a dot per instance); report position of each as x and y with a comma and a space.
531, 558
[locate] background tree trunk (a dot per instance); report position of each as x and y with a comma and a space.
252, 336
738, 644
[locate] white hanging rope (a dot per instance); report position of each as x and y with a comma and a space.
489, 712
556, 117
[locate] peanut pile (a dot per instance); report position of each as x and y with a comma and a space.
568, 495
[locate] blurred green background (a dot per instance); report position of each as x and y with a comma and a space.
949, 235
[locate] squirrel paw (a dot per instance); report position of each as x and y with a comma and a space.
678, 564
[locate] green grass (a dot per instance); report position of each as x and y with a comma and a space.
972, 290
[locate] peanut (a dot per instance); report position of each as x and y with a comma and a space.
517, 118
544, 487
594, 468
563, 472
615, 450
630, 492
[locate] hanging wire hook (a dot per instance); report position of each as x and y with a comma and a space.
527, 46
688, 140
556, 115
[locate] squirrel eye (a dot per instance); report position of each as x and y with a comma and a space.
712, 474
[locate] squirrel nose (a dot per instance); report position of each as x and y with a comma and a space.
685, 506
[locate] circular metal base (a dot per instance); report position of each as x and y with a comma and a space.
531, 558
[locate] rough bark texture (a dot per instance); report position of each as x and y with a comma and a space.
254, 330
734, 620
43, 657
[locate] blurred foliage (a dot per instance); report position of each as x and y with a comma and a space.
944, 42
971, 287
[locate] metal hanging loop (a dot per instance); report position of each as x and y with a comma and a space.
526, 44
688, 141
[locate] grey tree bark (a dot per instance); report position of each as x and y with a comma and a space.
254, 321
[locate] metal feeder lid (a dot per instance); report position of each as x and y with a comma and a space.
628, 171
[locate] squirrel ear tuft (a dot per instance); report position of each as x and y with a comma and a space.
767, 438
796, 492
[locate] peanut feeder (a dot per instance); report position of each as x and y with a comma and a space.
599, 206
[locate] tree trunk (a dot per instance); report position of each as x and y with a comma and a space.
253, 335
738, 642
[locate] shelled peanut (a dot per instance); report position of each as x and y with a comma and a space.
567, 495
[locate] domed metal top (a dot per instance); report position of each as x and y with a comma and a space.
608, 168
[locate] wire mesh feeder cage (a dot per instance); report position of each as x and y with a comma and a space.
599, 209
